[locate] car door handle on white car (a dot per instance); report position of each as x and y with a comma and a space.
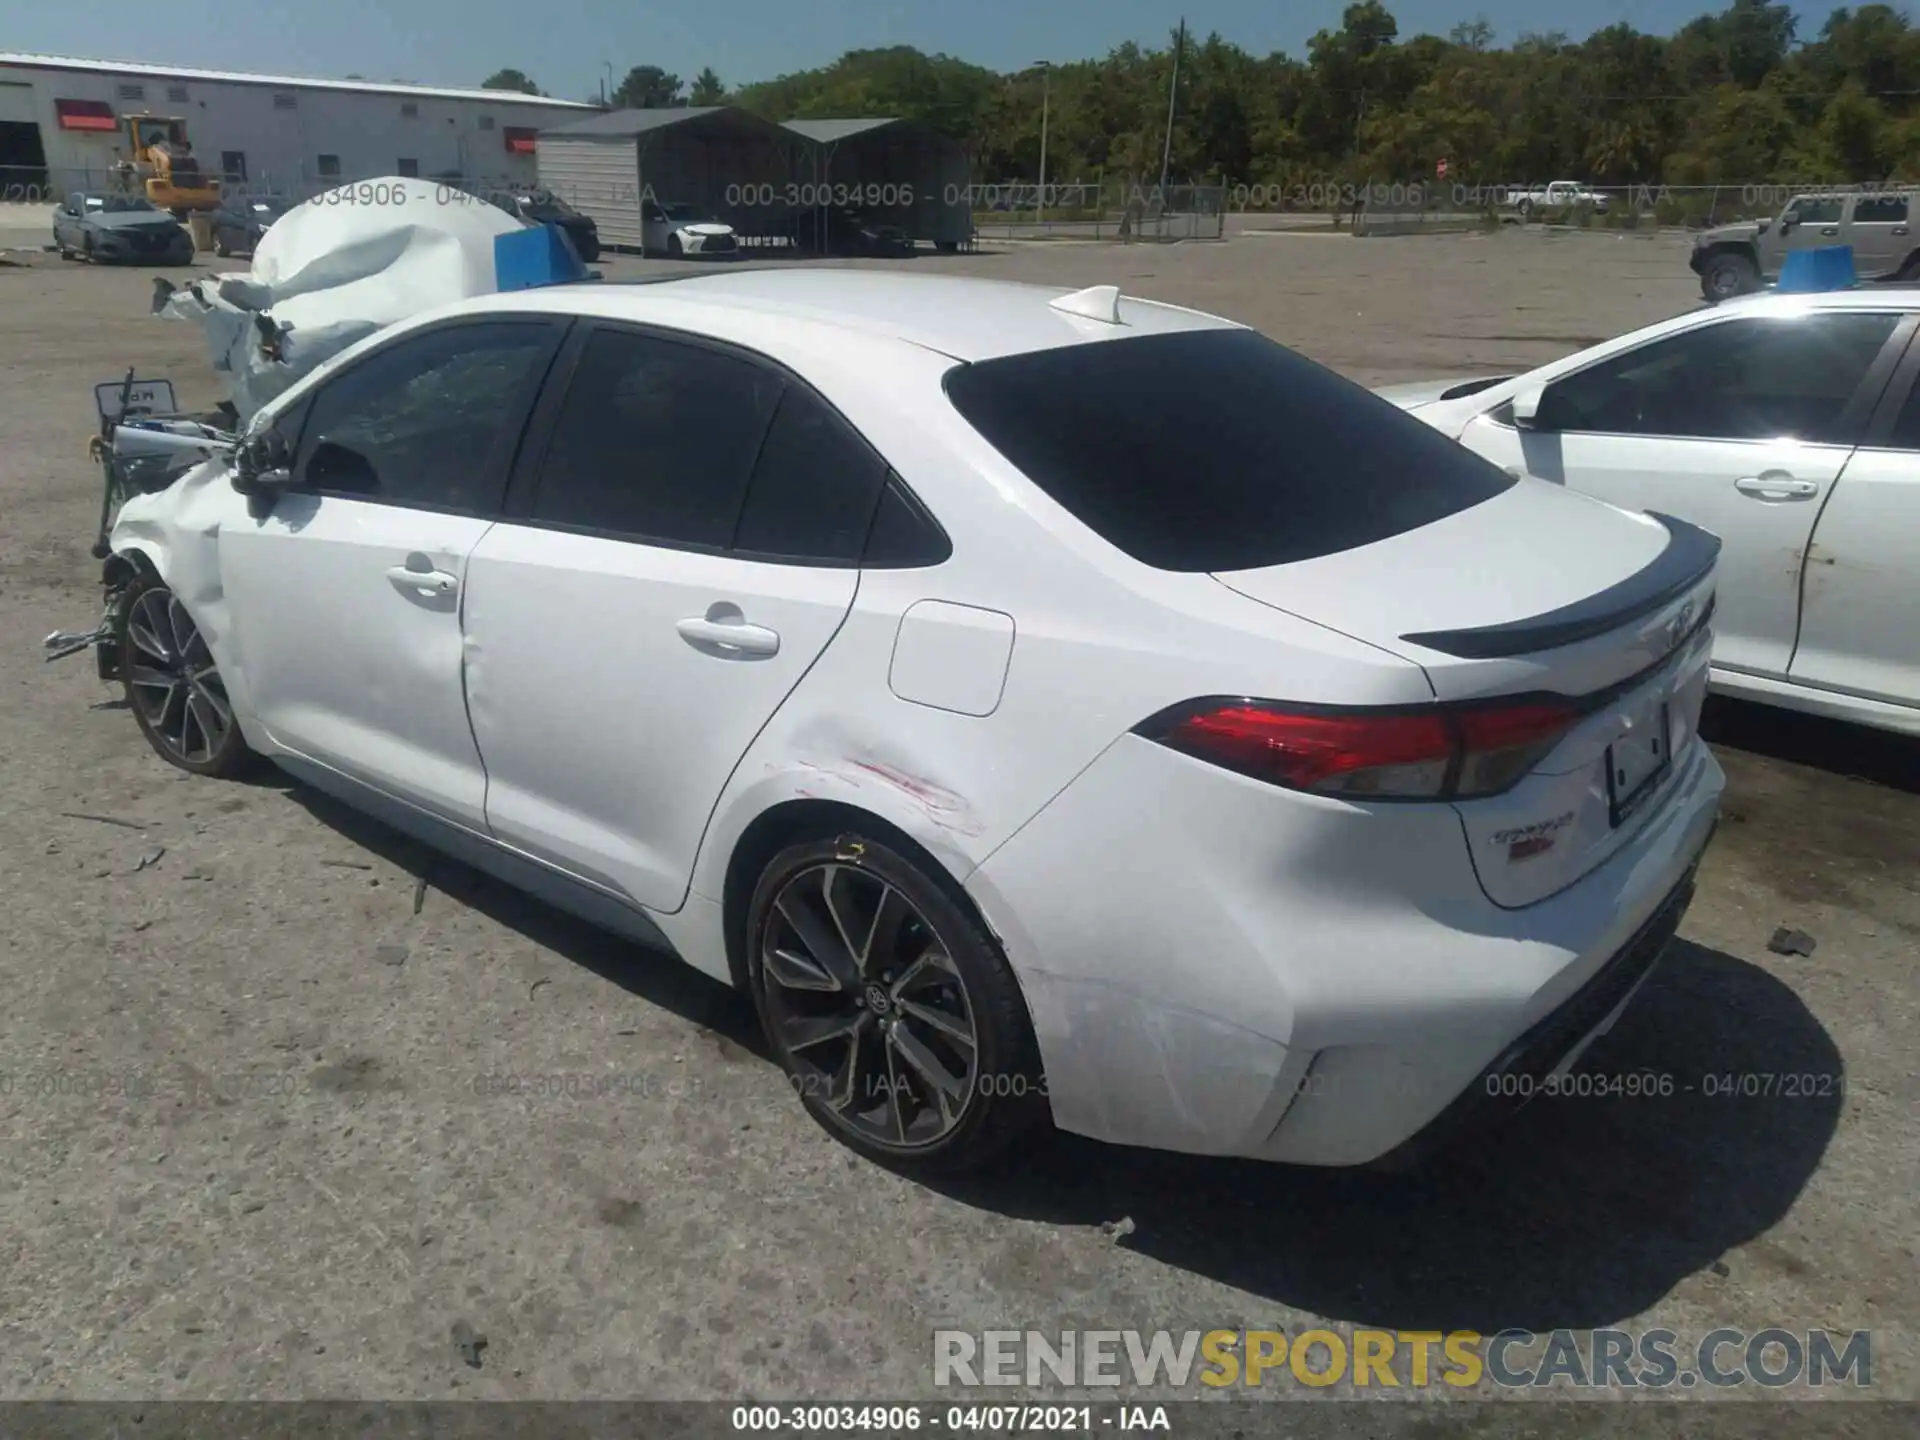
429, 582
1776, 485
732, 638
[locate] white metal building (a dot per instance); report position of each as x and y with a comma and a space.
60, 126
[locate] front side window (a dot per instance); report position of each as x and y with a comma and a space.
1765, 378
656, 440
1816, 210
424, 422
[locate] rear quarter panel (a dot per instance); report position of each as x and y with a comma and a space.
1099, 644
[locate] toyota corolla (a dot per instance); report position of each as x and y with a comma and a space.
1040, 704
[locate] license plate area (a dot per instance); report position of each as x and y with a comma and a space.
1637, 762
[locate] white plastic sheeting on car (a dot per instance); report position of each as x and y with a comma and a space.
334, 270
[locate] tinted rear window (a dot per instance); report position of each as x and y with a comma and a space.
1217, 449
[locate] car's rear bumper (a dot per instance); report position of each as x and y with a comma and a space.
1526, 1067
1218, 967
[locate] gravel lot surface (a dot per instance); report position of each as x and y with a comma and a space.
254, 1149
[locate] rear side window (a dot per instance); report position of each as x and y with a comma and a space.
1217, 449
814, 488
656, 440
1880, 210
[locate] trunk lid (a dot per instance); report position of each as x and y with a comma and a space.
1538, 592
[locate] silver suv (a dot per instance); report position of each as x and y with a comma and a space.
1734, 259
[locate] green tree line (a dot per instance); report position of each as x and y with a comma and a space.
1733, 98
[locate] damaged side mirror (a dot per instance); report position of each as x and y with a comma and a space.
263, 465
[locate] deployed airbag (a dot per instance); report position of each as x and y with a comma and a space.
334, 270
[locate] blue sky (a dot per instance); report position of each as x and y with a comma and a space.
561, 43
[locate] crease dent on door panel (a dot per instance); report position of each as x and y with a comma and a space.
466, 671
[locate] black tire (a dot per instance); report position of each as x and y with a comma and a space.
1727, 275
220, 246
947, 247
172, 687
86, 247
1524, 209
934, 949
675, 250
1909, 273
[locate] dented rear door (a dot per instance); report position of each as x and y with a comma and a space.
648, 605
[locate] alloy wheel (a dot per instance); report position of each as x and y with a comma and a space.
173, 680
863, 995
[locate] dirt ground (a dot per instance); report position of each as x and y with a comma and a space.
254, 1147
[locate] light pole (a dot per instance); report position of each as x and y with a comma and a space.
606, 86
1040, 200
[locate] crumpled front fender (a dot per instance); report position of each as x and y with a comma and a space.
177, 532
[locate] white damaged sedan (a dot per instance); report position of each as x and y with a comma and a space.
878, 645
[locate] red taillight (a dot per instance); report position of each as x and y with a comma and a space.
1440, 752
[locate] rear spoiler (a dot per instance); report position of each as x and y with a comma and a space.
1688, 558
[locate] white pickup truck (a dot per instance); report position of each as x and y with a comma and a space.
1560, 195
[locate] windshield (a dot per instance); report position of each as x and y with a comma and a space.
119, 204
1217, 449
680, 212
270, 208
546, 209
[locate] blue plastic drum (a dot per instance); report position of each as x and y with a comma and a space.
1828, 268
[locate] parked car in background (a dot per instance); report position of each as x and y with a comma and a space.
1737, 259
1560, 195
919, 606
850, 230
1789, 425
541, 207
677, 229
241, 220
120, 228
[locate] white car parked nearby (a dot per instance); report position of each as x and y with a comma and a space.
876, 644
677, 229
1789, 425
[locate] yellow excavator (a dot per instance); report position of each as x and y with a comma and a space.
161, 165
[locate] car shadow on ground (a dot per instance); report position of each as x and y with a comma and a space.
658, 977
1578, 1212
1878, 756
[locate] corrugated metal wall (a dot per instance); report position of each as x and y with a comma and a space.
600, 179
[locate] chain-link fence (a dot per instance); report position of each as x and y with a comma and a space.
1097, 210
1387, 208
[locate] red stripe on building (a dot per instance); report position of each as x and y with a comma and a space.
86, 115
